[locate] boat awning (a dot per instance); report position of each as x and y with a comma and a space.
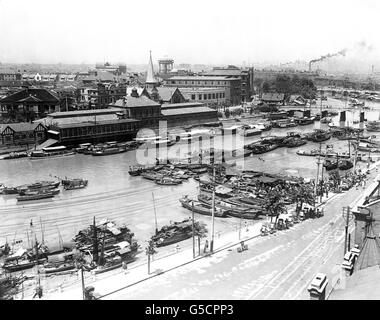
53, 132
58, 148
123, 244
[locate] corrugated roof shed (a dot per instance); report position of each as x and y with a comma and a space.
183, 111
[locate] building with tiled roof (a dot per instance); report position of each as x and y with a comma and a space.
22, 133
273, 98
31, 100
167, 95
140, 108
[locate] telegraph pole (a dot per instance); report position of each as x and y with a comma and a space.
192, 213
356, 151
316, 181
155, 214
347, 211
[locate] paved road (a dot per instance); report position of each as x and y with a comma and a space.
278, 266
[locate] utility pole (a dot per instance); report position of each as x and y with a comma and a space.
356, 151
240, 227
347, 211
82, 278
192, 216
213, 210
316, 181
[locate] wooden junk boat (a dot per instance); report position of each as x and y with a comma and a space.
201, 208
167, 181
345, 165
232, 209
50, 152
173, 233
113, 245
37, 195
72, 184
15, 155
330, 165
319, 136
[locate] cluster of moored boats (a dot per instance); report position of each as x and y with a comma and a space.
42, 189
169, 174
107, 148
101, 247
244, 196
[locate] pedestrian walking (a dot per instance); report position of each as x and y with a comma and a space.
124, 266
205, 247
177, 248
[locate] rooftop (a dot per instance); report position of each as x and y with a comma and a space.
172, 112
362, 285
93, 123
20, 126
200, 78
79, 113
181, 105
43, 95
135, 102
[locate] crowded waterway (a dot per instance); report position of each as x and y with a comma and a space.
112, 193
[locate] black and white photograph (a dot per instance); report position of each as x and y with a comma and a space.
199, 151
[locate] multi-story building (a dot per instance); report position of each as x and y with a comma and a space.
101, 95
36, 101
139, 107
231, 85
245, 74
117, 69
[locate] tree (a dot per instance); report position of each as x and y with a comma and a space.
150, 250
274, 205
200, 230
302, 194
266, 87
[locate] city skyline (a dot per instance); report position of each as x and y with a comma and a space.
272, 32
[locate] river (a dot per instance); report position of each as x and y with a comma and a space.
112, 193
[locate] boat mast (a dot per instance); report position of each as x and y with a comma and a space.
60, 239
42, 232
95, 244
155, 213
356, 151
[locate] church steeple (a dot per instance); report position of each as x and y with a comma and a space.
150, 79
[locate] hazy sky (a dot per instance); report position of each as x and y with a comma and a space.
196, 31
